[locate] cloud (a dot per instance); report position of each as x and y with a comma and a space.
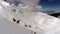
26, 2
30, 2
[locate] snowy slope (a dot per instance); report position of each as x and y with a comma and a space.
31, 21
7, 27
10, 28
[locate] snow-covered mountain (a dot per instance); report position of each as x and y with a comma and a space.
25, 19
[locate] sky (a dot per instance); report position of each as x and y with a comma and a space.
50, 4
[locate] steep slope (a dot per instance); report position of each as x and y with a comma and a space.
7, 27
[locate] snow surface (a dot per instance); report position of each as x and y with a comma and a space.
48, 24
7, 27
